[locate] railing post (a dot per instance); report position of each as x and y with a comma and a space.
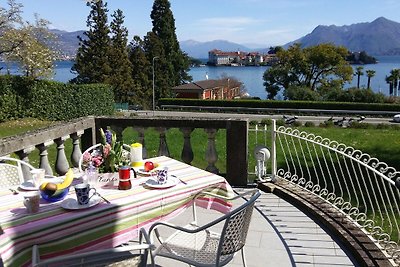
141, 140
273, 151
62, 165
44, 160
163, 148
76, 150
187, 151
237, 152
23, 155
211, 152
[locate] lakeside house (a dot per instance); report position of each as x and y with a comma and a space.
209, 89
217, 57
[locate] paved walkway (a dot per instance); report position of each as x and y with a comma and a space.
280, 235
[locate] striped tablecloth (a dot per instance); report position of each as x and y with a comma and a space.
58, 231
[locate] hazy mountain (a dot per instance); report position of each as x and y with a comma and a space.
68, 41
379, 37
200, 49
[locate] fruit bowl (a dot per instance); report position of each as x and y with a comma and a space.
56, 196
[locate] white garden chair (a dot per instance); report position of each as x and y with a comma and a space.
11, 173
198, 245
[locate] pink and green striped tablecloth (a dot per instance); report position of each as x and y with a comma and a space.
58, 231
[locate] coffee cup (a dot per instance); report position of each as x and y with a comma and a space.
38, 176
31, 201
83, 193
162, 175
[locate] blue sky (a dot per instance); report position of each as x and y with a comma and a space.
258, 22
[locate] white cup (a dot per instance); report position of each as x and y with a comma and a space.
38, 176
31, 201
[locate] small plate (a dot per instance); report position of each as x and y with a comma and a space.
141, 170
171, 181
72, 203
30, 186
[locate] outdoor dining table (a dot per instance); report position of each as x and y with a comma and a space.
59, 231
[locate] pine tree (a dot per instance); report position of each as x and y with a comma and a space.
92, 59
121, 68
141, 69
164, 28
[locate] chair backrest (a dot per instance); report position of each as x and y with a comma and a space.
236, 226
13, 174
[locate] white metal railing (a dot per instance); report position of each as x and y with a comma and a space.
360, 186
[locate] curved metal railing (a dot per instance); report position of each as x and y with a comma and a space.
365, 189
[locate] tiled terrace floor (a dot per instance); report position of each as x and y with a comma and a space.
280, 235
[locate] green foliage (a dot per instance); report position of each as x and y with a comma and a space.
121, 67
301, 93
309, 124
52, 100
311, 67
92, 60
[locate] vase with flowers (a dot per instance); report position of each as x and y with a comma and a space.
107, 157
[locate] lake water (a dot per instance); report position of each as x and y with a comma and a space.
251, 77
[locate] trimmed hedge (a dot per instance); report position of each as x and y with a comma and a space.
251, 103
50, 100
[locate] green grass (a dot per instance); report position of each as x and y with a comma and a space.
20, 126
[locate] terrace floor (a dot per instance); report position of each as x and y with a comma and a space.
280, 235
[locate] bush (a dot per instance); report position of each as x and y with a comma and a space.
52, 100
309, 124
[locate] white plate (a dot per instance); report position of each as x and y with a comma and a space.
171, 181
30, 186
141, 170
72, 203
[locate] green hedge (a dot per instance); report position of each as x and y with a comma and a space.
50, 100
251, 103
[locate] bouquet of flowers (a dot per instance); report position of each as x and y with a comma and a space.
107, 157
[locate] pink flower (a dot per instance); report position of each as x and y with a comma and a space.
106, 150
87, 157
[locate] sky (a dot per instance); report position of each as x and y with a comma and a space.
250, 22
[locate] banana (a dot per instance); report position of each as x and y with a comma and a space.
69, 177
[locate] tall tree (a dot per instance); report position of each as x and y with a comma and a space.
359, 72
121, 67
164, 28
393, 80
370, 74
310, 67
141, 67
92, 59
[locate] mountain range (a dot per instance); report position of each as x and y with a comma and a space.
379, 37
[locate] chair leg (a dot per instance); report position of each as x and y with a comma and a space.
243, 257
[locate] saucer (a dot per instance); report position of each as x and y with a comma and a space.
29, 186
72, 203
171, 181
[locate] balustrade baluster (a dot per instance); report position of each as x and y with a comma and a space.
141, 131
118, 132
211, 152
23, 155
62, 165
44, 160
76, 149
163, 147
187, 151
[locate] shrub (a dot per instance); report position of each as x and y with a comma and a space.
309, 124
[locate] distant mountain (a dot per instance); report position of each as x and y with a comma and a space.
68, 41
200, 49
379, 37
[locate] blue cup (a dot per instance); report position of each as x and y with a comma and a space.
83, 193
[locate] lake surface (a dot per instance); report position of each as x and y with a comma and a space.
251, 77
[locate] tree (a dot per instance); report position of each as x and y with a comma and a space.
92, 63
393, 80
370, 74
359, 72
141, 67
164, 29
121, 67
31, 45
309, 67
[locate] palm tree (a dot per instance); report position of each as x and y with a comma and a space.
392, 80
358, 73
370, 74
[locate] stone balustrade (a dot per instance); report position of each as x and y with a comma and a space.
84, 132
